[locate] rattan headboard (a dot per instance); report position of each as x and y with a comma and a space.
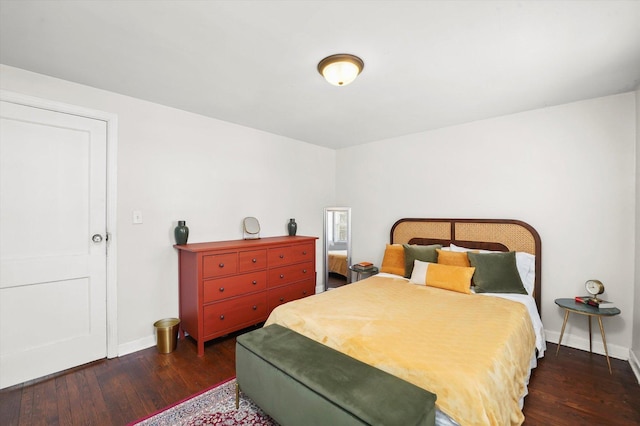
487, 234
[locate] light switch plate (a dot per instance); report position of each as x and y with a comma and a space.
137, 216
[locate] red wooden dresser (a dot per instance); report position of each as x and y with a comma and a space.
229, 285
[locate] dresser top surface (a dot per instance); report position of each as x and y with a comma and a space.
244, 244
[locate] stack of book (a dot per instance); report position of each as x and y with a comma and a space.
598, 303
363, 266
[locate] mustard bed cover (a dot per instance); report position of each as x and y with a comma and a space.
338, 262
472, 351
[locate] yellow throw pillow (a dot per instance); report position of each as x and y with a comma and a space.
393, 260
454, 278
453, 258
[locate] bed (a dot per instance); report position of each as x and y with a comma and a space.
338, 262
474, 349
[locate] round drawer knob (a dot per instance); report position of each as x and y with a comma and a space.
304, 293
254, 282
221, 317
304, 253
221, 289
282, 299
282, 256
281, 275
221, 265
254, 260
304, 271
254, 307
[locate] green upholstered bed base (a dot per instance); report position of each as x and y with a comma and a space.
298, 381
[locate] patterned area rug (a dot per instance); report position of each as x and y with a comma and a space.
216, 406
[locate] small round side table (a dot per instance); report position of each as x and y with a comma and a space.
570, 305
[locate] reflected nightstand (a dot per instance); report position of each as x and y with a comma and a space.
570, 305
360, 274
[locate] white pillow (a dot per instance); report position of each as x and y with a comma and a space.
463, 249
419, 274
525, 263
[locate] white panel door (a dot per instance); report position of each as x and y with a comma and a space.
52, 272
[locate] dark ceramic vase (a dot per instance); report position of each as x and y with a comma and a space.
292, 226
181, 232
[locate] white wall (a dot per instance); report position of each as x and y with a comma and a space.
569, 171
635, 348
174, 165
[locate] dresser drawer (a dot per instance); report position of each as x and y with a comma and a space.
289, 274
235, 313
278, 256
224, 288
253, 260
281, 295
303, 252
218, 265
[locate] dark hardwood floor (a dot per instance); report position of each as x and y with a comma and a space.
336, 280
574, 388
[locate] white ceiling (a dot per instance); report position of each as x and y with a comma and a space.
428, 64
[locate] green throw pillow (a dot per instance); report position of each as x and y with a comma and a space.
496, 273
416, 252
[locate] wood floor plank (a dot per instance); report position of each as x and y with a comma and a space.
26, 405
95, 393
89, 404
81, 413
163, 389
48, 402
129, 400
574, 388
10, 406
63, 404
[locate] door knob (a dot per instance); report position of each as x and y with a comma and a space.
96, 238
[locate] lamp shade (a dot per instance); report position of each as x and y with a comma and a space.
340, 69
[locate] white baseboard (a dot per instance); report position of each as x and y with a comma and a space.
579, 342
136, 345
635, 364
140, 344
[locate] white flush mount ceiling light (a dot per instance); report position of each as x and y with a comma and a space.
340, 69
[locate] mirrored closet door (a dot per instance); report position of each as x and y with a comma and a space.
337, 247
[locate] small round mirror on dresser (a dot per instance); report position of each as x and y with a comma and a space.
251, 228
